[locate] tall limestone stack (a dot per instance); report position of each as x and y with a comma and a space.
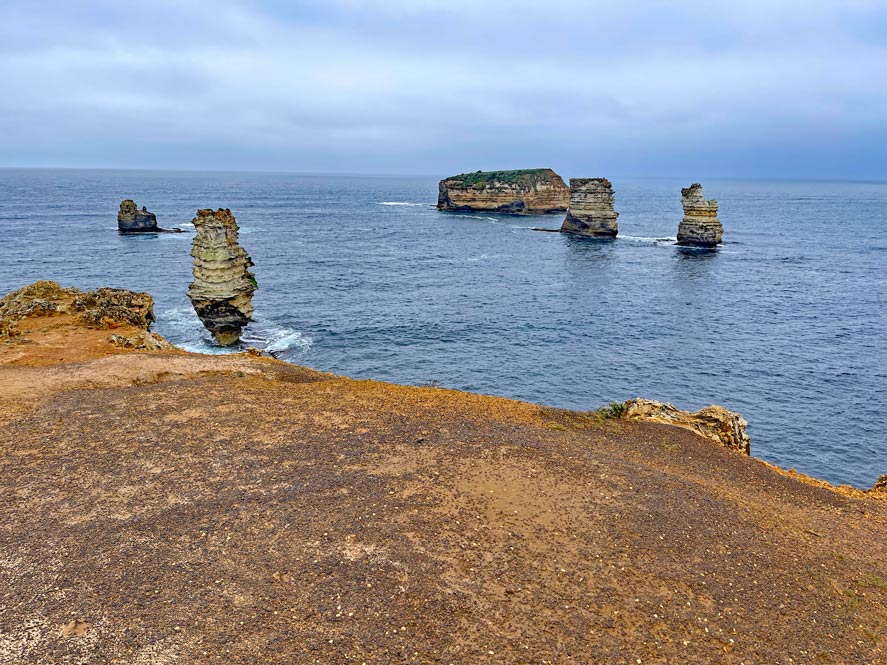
223, 284
591, 208
700, 225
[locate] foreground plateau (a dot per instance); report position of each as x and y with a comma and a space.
167, 507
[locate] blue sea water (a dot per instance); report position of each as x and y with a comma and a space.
785, 323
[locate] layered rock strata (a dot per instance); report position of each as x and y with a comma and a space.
529, 191
722, 426
223, 284
132, 220
591, 208
700, 225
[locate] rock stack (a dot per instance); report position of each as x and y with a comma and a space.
132, 220
223, 284
591, 208
700, 225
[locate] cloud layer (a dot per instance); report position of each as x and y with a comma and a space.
781, 88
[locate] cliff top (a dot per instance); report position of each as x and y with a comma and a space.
169, 507
487, 177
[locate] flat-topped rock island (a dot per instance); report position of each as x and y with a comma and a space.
521, 192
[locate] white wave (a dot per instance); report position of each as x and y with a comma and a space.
209, 348
484, 257
647, 239
485, 219
403, 203
181, 323
284, 340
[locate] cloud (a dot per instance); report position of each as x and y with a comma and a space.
432, 85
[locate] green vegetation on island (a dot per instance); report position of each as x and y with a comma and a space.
488, 177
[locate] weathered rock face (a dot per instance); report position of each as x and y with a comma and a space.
880, 487
591, 208
102, 308
713, 422
132, 220
700, 225
530, 191
223, 284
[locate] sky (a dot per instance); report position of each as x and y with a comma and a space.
617, 88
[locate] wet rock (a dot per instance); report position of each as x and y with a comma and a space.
700, 225
591, 208
521, 192
132, 220
722, 426
223, 285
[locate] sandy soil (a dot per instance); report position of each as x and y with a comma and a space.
165, 507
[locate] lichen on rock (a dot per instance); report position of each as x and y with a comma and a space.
520, 192
103, 308
223, 285
700, 225
591, 210
111, 308
721, 425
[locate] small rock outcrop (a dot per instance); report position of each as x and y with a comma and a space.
223, 284
591, 208
522, 192
132, 220
104, 308
722, 426
880, 487
700, 225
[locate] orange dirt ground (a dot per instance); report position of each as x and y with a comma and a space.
167, 507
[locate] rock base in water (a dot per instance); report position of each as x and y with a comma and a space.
591, 208
223, 285
700, 226
132, 220
713, 422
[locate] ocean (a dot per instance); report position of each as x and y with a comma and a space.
785, 323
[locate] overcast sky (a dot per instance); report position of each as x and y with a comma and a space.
758, 88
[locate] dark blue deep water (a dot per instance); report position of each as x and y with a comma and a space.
786, 323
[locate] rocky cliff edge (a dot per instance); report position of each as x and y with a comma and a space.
168, 507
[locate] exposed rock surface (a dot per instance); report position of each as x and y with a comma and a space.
880, 486
713, 422
223, 284
530, 191
591, 208
132, 220
700, 225
102, 308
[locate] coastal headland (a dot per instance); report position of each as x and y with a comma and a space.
160, 506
